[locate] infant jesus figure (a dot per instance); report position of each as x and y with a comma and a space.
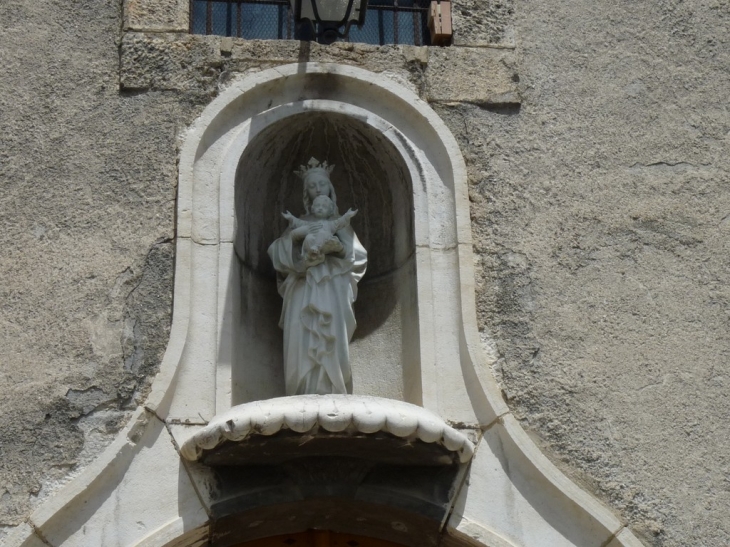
321, 239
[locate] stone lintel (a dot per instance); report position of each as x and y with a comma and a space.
172, 61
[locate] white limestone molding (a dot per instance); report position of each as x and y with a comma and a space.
513, 494
332, 413
137, 486
446, 381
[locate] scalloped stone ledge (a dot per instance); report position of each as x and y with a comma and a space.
334, 414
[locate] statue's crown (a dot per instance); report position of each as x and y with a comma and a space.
313, 165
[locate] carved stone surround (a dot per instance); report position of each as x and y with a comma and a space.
310, 416
322, 461
148, 492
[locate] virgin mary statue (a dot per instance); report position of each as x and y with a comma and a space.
317, 315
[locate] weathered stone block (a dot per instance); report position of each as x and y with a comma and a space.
170, 62
157, 15
198, 64
482, 22
370, 57
472, 75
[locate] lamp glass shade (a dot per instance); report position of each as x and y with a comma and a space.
328, 10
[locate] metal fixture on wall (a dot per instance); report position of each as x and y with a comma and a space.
327, 17
439, 22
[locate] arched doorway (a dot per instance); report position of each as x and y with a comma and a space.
319, 538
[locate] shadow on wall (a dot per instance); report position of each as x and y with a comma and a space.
370, 176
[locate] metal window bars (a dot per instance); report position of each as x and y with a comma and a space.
386, 22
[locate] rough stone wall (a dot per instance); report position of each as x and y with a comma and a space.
87, 193
596, 138
601, 216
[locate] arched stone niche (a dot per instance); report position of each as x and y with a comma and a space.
396, 162
370, 176
148, 490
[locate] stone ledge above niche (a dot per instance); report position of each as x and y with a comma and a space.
285, 428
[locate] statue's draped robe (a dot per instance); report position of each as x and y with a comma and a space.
317, 315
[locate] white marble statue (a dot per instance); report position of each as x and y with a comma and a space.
320, 260
321, 240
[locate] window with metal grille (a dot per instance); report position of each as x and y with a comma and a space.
386, 22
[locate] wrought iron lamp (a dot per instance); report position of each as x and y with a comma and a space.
327, 17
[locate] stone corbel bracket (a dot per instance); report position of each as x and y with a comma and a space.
321, 415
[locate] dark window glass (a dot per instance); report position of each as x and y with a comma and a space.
386, 22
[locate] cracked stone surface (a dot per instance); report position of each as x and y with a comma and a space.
601, 217
483, 22
196, 64
88, 186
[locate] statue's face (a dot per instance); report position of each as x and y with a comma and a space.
318, 185
322, 207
